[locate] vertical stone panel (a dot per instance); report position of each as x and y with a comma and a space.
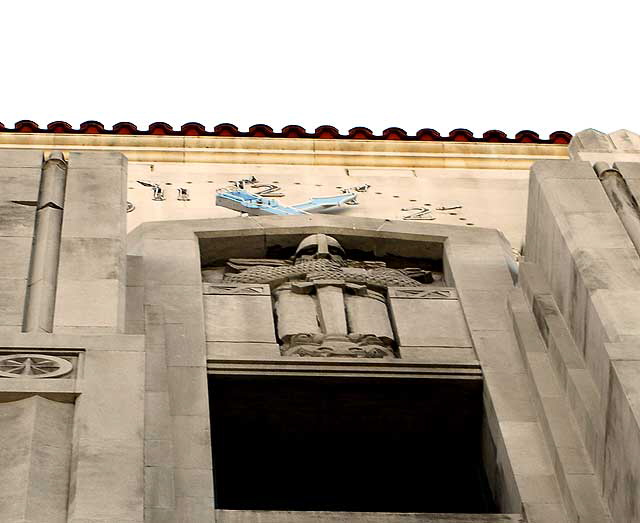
107, 467
441, 322
176, 405
35, 455
239, 318
159, 491
482, 293
20, 180
91, 286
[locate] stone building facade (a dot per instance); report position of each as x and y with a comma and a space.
419, 357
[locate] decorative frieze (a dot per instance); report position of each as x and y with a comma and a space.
242, 289
431, 293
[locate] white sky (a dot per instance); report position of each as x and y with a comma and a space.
511, 65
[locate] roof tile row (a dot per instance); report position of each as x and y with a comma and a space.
290, 131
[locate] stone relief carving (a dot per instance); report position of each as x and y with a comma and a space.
424, 293
325, 304
251, 290
33, 366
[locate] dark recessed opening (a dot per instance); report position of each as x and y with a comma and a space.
345, 444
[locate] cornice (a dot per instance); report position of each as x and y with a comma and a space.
296, 151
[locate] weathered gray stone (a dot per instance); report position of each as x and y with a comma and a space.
172, 261
480, 267
194, 482
584, 399
532, 280
116, 411
20, 183
100, 211
595, 230
509, 394
91, 259
180, 303
251, 351
96, 220
562, 348
12, 295
443, 323
159, 515
588, 503
622, 447
195, 508
180, 349
527, 334
135, 270
16, 219
193, 449
21, 158
14, 257
134, 307
35, 451
585, 196
526, 448
498, 351
624, 140
234, 318
438, 354
188, 387
93, 476
159, 490
561, 169
539, 489
590, 140
542, 375
485, 310
545, 512
157, 420
89, 303
158, 452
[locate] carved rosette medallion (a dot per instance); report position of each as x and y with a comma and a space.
33, 366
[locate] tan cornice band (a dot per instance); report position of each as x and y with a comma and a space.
296, 151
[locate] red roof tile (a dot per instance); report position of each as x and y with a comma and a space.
124, 128
290, 131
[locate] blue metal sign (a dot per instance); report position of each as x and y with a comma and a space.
243, 201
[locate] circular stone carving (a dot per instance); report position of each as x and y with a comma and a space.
33, 366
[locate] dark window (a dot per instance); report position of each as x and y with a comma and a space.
347, 444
